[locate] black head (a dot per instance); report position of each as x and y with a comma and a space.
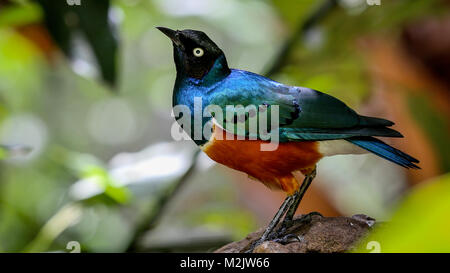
194, 52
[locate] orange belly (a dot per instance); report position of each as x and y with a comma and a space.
273, 168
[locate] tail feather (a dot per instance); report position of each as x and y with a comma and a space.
385, 151
373, 122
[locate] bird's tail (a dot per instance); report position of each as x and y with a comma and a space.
385, 151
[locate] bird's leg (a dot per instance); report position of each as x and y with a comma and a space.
298, 196
276, 219
307, 218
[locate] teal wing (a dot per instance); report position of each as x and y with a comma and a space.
323, 117
304, 114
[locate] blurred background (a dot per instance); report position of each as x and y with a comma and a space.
87, 161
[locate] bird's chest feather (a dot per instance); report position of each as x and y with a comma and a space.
267, 166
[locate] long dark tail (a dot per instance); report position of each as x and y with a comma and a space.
385, 151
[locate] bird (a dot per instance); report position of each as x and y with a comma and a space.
311, 124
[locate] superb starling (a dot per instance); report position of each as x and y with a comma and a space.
311, 124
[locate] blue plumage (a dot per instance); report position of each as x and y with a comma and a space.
304, 114
380, 148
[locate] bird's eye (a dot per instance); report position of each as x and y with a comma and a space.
198, 52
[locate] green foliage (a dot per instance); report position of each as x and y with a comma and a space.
294, 12
17, 15
20, 70
420, 223
219, 217
101, 177
435, 126
65, 217
91, 19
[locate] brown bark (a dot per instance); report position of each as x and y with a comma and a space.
321, 234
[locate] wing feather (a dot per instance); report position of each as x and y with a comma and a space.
304, 113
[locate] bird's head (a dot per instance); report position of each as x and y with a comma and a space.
194, 52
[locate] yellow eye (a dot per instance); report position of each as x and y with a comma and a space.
198, 52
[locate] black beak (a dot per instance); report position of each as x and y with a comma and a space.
174, 35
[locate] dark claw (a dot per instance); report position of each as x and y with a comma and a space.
288, 239
277, 234
307, 218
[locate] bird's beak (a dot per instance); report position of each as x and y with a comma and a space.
174, 35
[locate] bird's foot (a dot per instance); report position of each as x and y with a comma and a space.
289, 238
304, 219
280, 236
275, 235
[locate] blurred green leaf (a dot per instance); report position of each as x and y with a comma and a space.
20, 71
293, 12
420, 224
110, 188
64, 218
16, 15
90, 18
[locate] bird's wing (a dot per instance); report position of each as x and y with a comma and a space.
304, 114
324, 117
